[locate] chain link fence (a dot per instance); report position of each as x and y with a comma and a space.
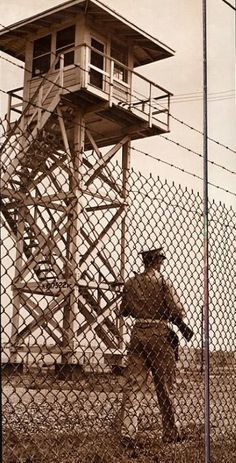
67, 366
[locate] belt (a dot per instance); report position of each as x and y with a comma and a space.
151, 322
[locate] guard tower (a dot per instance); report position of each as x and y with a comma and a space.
81, 105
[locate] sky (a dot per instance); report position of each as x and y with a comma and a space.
178, 25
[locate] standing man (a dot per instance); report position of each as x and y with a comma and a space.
151, 301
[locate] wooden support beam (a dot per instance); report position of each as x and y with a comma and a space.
103, 161
91, 319
95, 322
41, 316
109, 178
98, 241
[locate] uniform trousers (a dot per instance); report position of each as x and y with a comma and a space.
150, 351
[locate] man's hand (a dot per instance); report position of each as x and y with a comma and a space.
183, 328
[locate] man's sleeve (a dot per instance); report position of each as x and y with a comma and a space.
124, 306
172, 302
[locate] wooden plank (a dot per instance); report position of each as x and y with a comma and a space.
92, 191
45, 288
65, 140
18, 269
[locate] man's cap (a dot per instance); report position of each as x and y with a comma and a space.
152, 255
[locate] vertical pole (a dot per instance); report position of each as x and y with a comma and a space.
86, 66
111, 82
206, 250
61, 82
150, 106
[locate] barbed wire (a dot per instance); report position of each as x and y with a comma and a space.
197, 154
229, 4
147, 154
199, 131
189, 126
200, 93
181, 170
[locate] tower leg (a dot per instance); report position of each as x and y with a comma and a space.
71, 306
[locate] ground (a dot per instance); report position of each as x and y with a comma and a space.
49, 420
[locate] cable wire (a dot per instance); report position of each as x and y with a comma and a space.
147, 154
181, 169
140, 151
198, 154
229, 4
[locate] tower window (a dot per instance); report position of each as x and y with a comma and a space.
97, 60
119, 52
42, 55
65, 40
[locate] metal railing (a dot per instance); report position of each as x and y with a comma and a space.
135, 93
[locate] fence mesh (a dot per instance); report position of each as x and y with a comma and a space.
86, 378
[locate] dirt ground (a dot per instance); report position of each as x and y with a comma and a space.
49, 420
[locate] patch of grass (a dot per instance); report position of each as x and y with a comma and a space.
104, 448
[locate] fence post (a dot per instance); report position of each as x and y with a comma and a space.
206, 262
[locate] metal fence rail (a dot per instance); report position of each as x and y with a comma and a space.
65, 371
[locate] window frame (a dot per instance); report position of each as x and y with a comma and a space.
101, 41
42, 55
120, 71
54, 51
63, 49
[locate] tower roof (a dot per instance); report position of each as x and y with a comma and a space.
147, 49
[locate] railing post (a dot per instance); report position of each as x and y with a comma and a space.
61, 71
168, 113
130, 82
40, 102
150, 105
111, 82
85, 67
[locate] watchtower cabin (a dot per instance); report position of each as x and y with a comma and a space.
81, 105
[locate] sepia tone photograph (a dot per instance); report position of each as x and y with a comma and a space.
118, 163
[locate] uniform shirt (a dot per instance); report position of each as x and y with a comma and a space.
148, 296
